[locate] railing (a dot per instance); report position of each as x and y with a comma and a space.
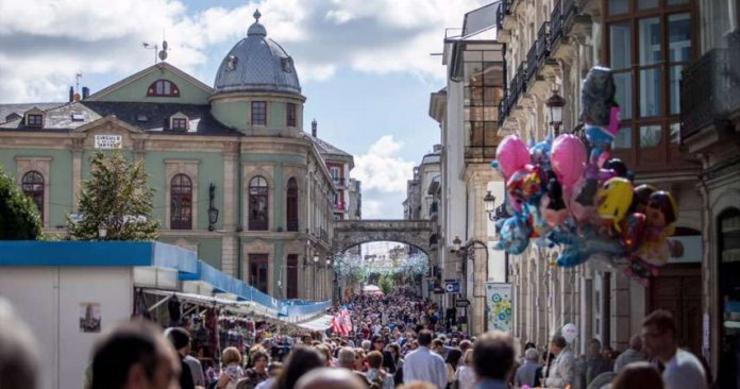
556, 23
709, 90
340, 181
503, 10
543, 43
531, 62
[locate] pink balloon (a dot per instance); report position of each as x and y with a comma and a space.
568, 159
512, 155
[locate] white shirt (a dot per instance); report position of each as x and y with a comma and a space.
266, 384
684, 371
424, 365
465, 377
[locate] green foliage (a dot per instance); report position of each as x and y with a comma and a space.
19, 217
386, 284
116, 198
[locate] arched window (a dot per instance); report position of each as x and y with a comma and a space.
292, 205
32, 185
181, 203
258, 210
163, 88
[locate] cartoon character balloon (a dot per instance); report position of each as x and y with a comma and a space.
514, 236
614, 199
660, 215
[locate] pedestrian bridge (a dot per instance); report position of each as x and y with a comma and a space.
417, 233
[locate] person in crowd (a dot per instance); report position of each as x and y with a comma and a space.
301, 360
273, 370
439, 347
133, 355
19, 359
395, 350
378, 344
346, 360
180, 340
326, 378
465, 345
493, 359
638, 375
561, 373
366, 345
360, 360
525, 374
258, 372
378, 377
417, 385
324, 350
232, 372
465, 374
423, 365
632, 354
595, 362
452, 361
680, 368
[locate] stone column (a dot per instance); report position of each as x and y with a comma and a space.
230, 211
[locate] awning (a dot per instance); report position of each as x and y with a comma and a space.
321, 323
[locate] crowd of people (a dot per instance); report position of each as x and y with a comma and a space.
396, 342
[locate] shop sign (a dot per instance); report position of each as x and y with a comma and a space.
108, 142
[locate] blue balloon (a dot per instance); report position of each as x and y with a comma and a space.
540, 153
514, 235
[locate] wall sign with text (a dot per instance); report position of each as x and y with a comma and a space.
108, 142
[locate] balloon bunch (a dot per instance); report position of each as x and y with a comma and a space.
571, 193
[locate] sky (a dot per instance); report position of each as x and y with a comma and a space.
365, 66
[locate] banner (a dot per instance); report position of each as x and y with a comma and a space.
498, 305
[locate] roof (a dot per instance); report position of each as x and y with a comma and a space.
257, 63
7, 109
150, 117
327, 149
430, 159
144, 72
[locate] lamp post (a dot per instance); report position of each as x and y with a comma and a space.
556, 103
490, 203
464, 252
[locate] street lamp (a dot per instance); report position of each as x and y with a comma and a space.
556, 104
490, 203
456, 244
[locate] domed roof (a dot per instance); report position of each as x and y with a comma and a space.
257, 63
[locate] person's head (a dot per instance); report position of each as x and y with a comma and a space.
438, 345
366, 344
395, 350
325, 352
531, 354
375, 359
346, 358
493, 355
260, 359
465, 345
19, 360
557, 344
453, 357
274, 369
231, 355
658, 335
425, 338
134, 355
301, 360
417, 385
636, 343
413, 345
378, 343
359, 358
638, 375
594, 347
180, 339
326, 378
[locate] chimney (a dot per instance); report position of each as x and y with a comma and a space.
314, 128
85, 92
71, 93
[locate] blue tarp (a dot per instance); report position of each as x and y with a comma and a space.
155, 254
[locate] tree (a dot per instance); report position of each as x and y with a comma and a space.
386, 284
19, 217
117, 200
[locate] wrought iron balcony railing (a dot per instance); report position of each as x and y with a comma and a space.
709, 90
503, 10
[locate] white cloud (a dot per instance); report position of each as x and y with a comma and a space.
382, 169
101, 38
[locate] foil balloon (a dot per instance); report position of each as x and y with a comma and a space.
540, 153
661, 214
614, 200
582, 248
514, 236
553, 206
524, 185
642, 197
568, 159
597, 96
511, 155
633, 228
617, 167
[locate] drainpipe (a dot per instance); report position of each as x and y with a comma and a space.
708, 265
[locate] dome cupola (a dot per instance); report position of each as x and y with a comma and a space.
257, 64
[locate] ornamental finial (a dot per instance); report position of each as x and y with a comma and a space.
257, 15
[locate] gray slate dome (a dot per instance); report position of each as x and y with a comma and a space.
257, 63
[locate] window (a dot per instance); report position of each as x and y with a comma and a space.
258, 211
648, 44
259, 113
32, 185
258, 271
163, 88
483, 92
291, 291
181, 203
34, 120
290, 119
179, 123
292, 205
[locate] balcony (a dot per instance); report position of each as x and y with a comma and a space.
503, 10
709, 91
340, 182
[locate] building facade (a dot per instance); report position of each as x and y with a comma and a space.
550, 46
236, 178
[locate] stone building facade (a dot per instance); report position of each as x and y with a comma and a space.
236, 178
551, 45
